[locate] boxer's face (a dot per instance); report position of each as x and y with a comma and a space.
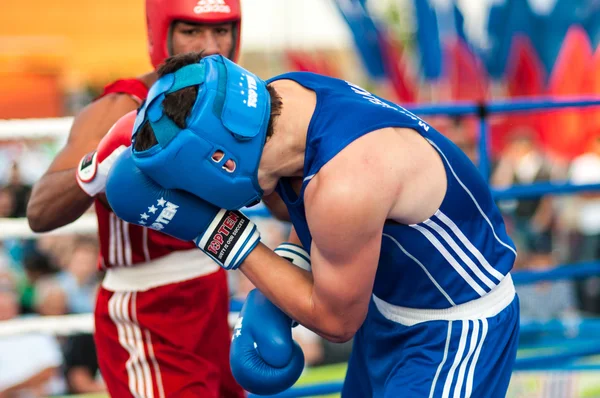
212, 39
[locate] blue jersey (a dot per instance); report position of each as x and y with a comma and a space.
459, 254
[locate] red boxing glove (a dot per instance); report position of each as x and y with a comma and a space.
94, 167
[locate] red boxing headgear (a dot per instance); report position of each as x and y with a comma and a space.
160, 14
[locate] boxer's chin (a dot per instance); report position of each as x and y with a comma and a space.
102, 198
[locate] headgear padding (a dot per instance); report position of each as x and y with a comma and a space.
160, 15
231, 114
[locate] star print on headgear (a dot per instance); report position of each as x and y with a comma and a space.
161, 202
152, 209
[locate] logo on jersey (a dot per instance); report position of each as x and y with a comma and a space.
252, 100
368, 96
167, 213
374, 100
208, 6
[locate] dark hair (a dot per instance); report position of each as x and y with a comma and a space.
36, 261
178, 104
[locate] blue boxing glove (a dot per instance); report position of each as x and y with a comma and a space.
226, 236
264, 358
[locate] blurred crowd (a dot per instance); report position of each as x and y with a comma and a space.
57, 274
548, 231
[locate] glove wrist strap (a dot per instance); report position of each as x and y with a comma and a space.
229, 239
88, 178
294, 254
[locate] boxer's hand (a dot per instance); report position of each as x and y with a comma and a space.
226, 236
264, 358
93, 168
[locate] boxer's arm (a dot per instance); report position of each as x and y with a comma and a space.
57, 199
334, 299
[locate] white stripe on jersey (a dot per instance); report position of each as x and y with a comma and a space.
463, 256
145, 244
472, 198
482, 260
119, 239
451, 260
310, 177
111, 239
127, 243
423, 268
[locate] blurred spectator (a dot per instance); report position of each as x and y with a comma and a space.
585, 169
81, 365
73, 289
522, 162
544, 301
57, 247
36, 267
19, 190
7, 203
459, 132
29, 363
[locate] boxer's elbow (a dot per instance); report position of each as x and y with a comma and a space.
36, 219
337, 331
339, 328
39, 217
342, 337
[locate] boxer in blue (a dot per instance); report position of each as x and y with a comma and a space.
409, 253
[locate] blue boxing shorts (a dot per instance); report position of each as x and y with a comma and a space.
463, 351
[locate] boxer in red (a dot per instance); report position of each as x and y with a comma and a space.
161, 314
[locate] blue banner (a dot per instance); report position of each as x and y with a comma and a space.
545, 30
505, 20
366, 35
428, 40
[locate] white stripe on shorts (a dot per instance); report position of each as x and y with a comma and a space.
484, 329
141, 348
441, 366
464, 335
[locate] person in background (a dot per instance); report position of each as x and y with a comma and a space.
29, 363
585, 169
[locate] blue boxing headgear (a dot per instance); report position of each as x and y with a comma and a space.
231, 114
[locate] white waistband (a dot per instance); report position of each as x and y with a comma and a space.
176, 267
484, 307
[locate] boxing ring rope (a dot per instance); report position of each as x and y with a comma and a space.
483, 110
561, 359
15, 228
34, 129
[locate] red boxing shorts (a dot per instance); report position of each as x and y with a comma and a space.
167, 341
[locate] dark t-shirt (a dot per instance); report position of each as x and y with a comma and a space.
80, 351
